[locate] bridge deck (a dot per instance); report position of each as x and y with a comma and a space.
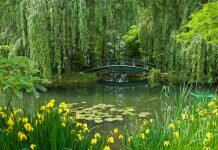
123, 64
119, 68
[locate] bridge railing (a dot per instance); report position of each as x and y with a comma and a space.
123, 61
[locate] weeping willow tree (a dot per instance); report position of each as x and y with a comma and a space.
61, 36
159, 23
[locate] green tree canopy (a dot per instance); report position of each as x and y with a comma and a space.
203, 23
132, 44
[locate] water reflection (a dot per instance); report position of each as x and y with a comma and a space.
139, 96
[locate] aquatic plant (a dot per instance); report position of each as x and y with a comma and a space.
55, 127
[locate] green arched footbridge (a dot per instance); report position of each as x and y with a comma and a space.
121, 64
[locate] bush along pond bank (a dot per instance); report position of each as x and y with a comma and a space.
55, 127
73, 79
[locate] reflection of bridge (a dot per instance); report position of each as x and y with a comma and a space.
121, 64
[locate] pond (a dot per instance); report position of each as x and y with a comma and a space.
135, 98
102, 101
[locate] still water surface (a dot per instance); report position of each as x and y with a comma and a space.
141, 97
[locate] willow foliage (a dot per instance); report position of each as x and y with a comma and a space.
159, 23
58, 34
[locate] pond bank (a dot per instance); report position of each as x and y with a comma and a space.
73, 79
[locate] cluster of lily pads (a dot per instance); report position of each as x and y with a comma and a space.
103, 112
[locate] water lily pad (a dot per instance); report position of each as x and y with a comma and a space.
109, 105
98, 120
118, 119
109, 119
130, 109
74, 103
84, 102
144, 114
127, 113
89, 118
113, 109
120, 110
70, 105
118, 116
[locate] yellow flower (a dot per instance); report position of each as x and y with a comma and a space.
147, 131
78, 117
79, 124
129, 139
110, 140
206, 141
22, 136
25, 120
192, 118
211, 104
151, 120
70, 119
166, 143
32, 146
142, 136
106, 148
52, 101
85, 125
19, 119
80, 136
185, 116
145, 122
176, 134
17, 111
42, 107
63, 105
40, 117
67, 111
116, 130
10, 122
120, 137
63, 124
201, 113
49, 105
3, 114
85, 129
97, 135
28, 127
94, 141
171, 126
215, 111
206, 148
60, 110
209, 135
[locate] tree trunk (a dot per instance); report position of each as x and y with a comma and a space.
68, 66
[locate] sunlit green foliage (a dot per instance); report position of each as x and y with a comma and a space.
204, 23
59, 35
132, 44
161, 21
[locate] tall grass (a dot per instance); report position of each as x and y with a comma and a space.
50, 128
184, 126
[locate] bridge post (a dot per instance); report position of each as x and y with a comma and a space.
108, 62
133, 62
